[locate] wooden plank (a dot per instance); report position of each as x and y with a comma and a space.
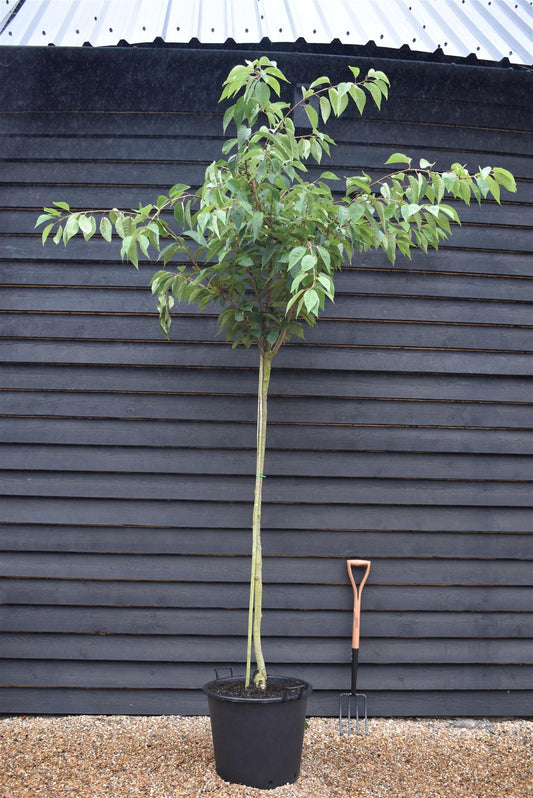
352, 437
183, 460
365, 281
94, 675
108, 269
336, 543
305, 385
352, 303
219, 354
304, 570
287, 410
372, 677
429, 80
192, 514
295, 624
237, 488
468, 236
296, 653
398, 703
406, 131
94, 593
380, 333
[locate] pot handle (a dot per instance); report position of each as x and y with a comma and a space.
224, 668
291, 693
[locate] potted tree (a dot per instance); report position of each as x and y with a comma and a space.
262, 242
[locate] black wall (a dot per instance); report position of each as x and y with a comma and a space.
401, 430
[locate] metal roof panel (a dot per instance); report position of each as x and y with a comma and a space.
490, 29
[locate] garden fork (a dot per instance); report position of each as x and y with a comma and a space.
353, 698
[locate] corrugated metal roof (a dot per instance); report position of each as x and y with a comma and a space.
490, 29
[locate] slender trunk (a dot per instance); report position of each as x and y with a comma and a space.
256, 577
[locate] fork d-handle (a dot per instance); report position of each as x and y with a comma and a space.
357, 591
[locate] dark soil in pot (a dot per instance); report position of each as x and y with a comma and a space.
258, 735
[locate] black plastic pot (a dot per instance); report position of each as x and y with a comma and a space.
258, 741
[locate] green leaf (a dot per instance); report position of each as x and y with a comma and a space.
63, 205
312, 115
309, 262
262, 92
494, 188
46, 232
228, 116
409, 210
326, 257
316, 150
325, 108
71, 228
398, 157
143, 242
44, 217
504, 178
359, 97
319, 82
273, 335
106, 229
292, 300
311, 301
375, 93
326, 281
178, 190
362, 183
274, 84
256, 223
335, 100
85, 225
356, 211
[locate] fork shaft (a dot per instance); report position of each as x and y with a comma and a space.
355, 662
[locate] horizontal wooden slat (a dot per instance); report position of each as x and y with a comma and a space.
237, 488
286, 410
304, 570
77, 151
108, 270
29, 246
304, 437
294, 624
335, 543
420, 133
238, 382
398, 703
351, 304
359, 333
364, 281
22, 220
342, 358
182, 460
166, 676
193, 514
109, 593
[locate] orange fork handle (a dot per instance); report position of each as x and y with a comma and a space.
357, 590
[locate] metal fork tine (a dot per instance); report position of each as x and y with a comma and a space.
352, 699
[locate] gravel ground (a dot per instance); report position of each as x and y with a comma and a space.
171, 757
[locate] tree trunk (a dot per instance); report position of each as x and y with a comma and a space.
256, 577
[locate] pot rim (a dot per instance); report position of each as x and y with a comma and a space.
293, 693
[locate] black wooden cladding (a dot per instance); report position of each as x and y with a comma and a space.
400, 430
